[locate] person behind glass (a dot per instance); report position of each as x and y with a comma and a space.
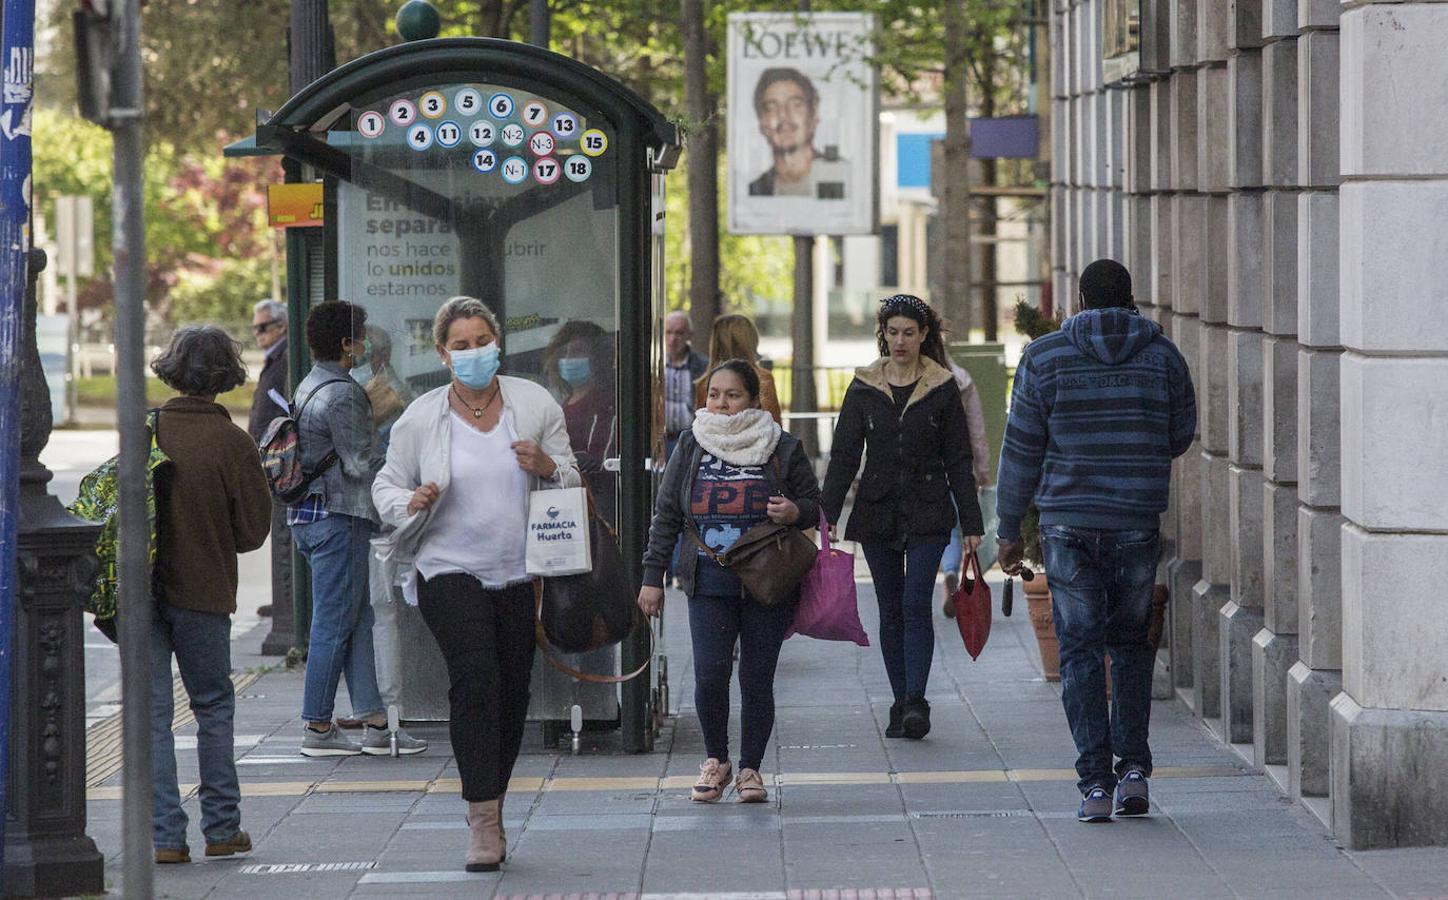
682, 366
904, 413
269, 326
735, 337
579, 365
454, 491
212, 502
732, 470
331, 527
389, 396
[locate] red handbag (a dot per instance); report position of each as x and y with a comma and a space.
973, 609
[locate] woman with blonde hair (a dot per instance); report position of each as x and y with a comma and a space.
735, 337
461, 464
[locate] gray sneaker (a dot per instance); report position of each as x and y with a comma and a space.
331, 742
378, 742
1132, 794
1095, 806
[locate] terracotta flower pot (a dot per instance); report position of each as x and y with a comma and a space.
1038, 606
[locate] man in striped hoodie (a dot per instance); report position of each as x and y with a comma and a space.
1099, 411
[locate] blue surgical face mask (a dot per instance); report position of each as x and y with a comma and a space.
362, 374
475, 368
575, 370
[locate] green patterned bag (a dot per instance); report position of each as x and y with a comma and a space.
99, 501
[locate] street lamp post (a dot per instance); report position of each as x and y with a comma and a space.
47, 852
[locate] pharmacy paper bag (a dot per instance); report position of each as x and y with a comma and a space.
558, 533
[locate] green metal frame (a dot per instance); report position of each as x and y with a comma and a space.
646, 143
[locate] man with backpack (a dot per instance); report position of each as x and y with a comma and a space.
1098, 412
332, 525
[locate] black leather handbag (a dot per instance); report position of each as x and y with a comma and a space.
591, 610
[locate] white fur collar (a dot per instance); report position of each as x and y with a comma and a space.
745, 439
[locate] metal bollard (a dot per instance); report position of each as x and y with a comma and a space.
394, 722
575, 717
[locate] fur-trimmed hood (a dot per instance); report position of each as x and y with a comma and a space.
931, 374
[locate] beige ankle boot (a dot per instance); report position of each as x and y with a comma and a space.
503, 832
485, 840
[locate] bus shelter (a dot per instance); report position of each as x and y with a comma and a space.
507, 172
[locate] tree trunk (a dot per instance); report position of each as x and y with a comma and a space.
989, 255
703, 166
955, 305
492, 18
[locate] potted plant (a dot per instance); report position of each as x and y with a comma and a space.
1031, 323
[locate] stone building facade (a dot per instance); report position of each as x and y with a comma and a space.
1276, 179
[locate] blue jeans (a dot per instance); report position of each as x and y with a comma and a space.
715, 622
337, 550
955, 550
201, 643
905, 588
1101, 584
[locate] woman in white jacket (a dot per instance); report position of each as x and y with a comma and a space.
454, 492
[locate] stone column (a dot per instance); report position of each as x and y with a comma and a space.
1204, 227
1241, 617
1316, 677
1274, 648
1389, 756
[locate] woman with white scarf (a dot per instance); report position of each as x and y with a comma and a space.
733, 470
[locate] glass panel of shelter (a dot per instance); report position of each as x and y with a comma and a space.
497, 192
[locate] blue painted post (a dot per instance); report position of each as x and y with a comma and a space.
17, 63
18, 67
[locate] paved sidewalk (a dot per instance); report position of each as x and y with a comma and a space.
983, 807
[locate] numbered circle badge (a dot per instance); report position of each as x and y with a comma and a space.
482, 134
594, 142
449, 134
500, 106
419, 137
541, 144
370, 124
513, 134
485, 161
432, 104
468, 102
402, 112
535, 113
546, 171
578, 168
515, 170
565, 125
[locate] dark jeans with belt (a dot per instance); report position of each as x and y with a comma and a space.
720, 614
1101, 583
486, 638
905, 588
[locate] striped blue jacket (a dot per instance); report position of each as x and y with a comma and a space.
1098, 412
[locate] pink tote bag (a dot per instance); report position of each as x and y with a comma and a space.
827, 606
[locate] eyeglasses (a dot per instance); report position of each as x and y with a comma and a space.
264, 327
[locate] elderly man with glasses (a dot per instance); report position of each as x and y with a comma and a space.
269, 326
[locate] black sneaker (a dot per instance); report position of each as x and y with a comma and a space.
1132, 797
1095, 806
897, 710
915, 722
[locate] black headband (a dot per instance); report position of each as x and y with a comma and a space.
909, 300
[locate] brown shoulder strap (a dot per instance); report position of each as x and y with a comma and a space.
547, 648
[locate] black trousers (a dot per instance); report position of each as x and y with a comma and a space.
486, 637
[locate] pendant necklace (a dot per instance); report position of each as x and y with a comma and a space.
476, 411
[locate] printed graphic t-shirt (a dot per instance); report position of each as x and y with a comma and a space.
726, 501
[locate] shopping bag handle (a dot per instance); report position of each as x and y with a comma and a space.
542, 640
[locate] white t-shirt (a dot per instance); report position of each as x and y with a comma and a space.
480, 526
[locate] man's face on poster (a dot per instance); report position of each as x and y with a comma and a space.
786, 118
